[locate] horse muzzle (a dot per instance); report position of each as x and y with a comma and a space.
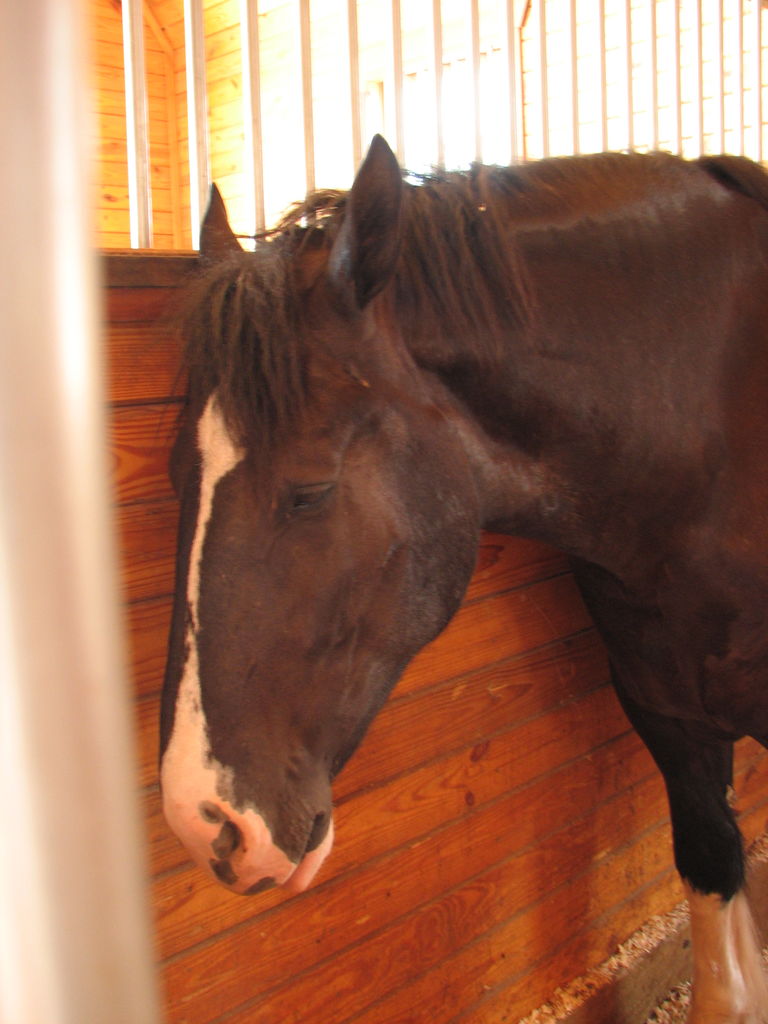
238, 848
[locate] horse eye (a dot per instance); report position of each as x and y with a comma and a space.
310, 496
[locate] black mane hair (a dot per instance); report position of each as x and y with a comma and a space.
457, 280
460, 287
241, 325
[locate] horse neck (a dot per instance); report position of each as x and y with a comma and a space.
497, 417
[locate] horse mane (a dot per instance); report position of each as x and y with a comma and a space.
459, 291
458, 282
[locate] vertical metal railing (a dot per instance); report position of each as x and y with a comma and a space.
197, 114
137, 125
757, 77
397, 78
306, 93
437, 58
661, 100
354, 82
253, 155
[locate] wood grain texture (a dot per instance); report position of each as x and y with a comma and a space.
499, 831
108, 119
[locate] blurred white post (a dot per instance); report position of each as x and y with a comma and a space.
74, 925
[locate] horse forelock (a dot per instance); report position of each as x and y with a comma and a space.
244, 342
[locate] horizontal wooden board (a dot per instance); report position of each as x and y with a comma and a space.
147, 624
505, 625
138, 305
140, 439
131, 270
109, 219
117, 196
474, 980
143, 366
147, 535
112, 175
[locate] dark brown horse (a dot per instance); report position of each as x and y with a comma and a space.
574, 350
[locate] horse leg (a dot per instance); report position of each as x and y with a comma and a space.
728, 980
729, 986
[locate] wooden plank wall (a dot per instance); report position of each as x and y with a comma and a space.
500, 829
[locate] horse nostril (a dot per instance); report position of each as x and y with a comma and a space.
316, 836
211, 813
223, 871
227, 841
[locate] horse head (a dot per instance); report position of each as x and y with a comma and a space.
328, 529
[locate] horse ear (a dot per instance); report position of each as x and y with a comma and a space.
217, 239
365, 251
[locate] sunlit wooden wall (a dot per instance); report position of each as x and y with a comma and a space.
110, 171
500, 830
446, 82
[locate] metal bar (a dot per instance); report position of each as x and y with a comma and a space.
305, 31
740, 85
575, 113
543, 77
654, 75
517, 142
397, 77
630, 81
721, 76
75, 926
353, 43
437, 39
758, 79
137, 126
197, 115
177, 221
678, 132
700, 73
254, 155
603, 79
474, 12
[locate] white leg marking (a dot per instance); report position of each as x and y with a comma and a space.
729, 986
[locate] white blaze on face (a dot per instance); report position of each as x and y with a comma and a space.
191, 778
